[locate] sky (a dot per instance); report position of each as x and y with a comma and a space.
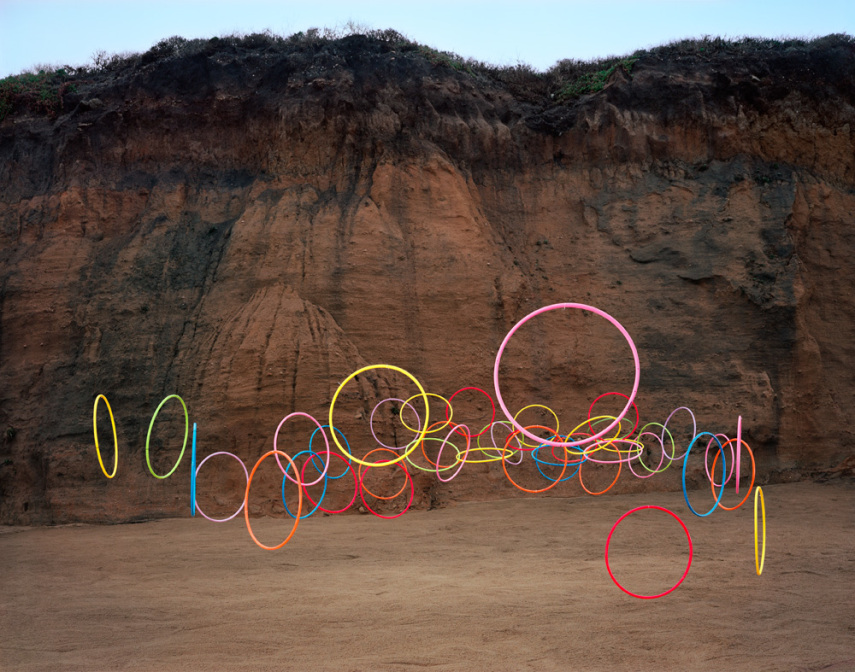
536, 32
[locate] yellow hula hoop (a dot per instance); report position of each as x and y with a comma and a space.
115, 440
608, 444
490, 458
545, 408
411, 446
599, 444
758, 563
635, 449
440, 426
434, 468
501, 451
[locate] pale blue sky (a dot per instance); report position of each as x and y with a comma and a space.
537, 32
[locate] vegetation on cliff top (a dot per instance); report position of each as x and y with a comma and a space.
43, 90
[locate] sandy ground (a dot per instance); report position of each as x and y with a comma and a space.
510, 585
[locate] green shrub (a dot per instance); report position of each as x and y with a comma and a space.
446, 58
592, 82
37, 92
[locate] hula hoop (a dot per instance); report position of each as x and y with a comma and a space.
242, 504
276, 448
688, 564
619, 394
632, 452
246, 501
485, 450
433, 468
660, 438
580, 306
371, 420
477, 389
723, 471
305, 487
435, 465
738, 450
362, 478
727, 442
641, 462
115, 439
531, 446
362, 490
753, 472
538, 462
611, 485
461, 461
186, 433
490, 458
449, 413
694, 429
758, 565
413, 443
355, 485
608, 445
517, 485
311, 440
500, 452
193, 474
600, 444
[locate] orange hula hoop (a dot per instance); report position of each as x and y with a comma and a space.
299, 501
601, 492
403, 487
753, 472
431, 462
505, 462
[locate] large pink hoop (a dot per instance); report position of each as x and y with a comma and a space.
556, 306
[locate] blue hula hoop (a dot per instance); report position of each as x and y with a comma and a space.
341, 434
284, 480
538, 462
724, 471
193, 475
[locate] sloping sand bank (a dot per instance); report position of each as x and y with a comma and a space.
511, 585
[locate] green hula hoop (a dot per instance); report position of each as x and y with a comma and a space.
148, 436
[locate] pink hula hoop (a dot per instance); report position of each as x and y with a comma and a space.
556, 306
276, 450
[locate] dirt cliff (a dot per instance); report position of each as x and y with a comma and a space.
247, 223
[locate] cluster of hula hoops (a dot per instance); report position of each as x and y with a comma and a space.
559, 455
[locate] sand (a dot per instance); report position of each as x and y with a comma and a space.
509, 585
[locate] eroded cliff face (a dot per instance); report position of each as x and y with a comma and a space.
247, 229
